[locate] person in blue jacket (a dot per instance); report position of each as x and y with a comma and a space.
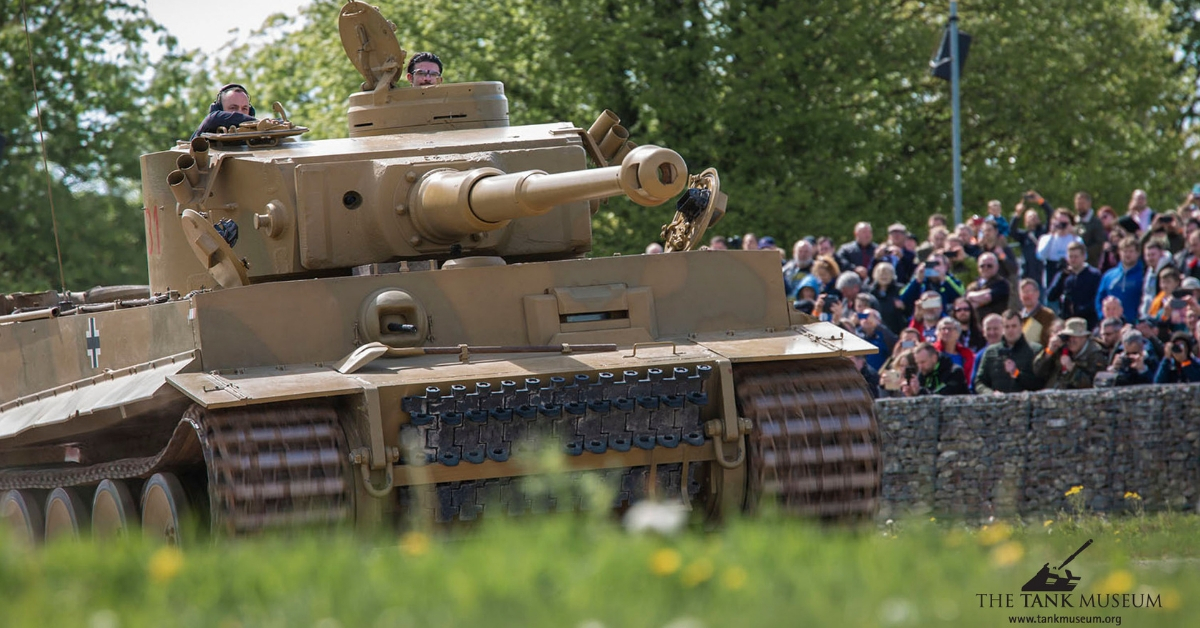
1124, 281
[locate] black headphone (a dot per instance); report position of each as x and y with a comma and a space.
216, 104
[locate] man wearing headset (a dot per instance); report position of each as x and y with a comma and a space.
230, 108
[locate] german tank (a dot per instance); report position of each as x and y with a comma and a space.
408, 313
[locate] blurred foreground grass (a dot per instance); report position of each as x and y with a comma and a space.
580, 571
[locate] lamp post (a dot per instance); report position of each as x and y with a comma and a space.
956, 140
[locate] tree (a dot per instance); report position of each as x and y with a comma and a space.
99, 113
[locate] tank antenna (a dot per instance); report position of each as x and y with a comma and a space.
42, 141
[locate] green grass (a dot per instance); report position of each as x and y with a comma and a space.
580, 571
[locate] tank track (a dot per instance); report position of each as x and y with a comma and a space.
815, 442
268, 466
275, 466
635, 409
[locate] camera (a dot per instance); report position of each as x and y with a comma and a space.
1179, 348
1064, 338
832, 299
930, 273
910, 372
891, 379
1005, 353
1176, 304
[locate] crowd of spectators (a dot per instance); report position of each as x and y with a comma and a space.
1047, 298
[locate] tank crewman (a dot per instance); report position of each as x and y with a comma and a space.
424, 69
230, 108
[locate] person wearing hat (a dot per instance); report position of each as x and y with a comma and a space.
906, 259
1179, 366
858, 255
929, 311
1072, 359
1132, 364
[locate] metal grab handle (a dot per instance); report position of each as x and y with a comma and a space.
370, 488
657, 343
719, 452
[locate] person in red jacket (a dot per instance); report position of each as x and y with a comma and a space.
948, 333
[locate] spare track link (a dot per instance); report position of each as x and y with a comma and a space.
468, 424
275, 466
814, 442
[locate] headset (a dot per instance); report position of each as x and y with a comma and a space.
216, 104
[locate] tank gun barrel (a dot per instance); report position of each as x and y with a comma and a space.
450, 204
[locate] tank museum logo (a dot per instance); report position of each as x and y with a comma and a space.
1053, 588
93, 343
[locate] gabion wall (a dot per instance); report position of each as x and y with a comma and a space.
978, 456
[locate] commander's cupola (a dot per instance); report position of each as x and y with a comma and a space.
382, 108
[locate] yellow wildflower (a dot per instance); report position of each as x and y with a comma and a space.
991, 535
933, 518
735, 577
165, 563
665, 562
699, 571
415, 544
1171, 600
1132, 495
1074, 490
1047, 523
1007, 554
1117, 582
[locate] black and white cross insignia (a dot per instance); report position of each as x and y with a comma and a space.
93, 343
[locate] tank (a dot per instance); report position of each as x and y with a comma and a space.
388, 326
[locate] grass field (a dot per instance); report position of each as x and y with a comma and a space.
587, 571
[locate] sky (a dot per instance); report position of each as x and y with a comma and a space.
207, 24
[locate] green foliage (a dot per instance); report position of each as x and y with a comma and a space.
101, 106
563, 571
818, 113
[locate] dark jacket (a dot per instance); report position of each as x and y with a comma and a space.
1000, 295
1076, 294
851, 255
1094, 236
1031, 266
894, 317
950, 289
1086, 364
1126, 376
946, 379
992, 377
218, 119
1172, 372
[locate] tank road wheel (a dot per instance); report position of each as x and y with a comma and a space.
66, 514
814, 444
21, 515
164, 507
113, 509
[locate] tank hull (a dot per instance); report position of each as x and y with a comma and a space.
677, 409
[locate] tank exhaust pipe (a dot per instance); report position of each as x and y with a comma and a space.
199, 150
181, 187
187, 165
612, 142
601, 126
